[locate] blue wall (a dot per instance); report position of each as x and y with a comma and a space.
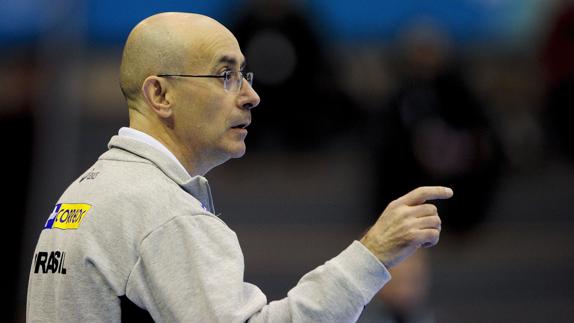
109, 21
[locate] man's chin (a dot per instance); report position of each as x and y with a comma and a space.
240, 153
225, 155
237, 150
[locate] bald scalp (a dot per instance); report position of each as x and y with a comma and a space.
163, 43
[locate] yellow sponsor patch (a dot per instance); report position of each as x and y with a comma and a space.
67, 216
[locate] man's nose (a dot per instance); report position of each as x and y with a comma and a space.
249, 99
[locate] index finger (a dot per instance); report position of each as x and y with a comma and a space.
426, 193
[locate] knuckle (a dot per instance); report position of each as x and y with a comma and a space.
438, 220
428, 209
431, 235
400, 210
434, 220
412, 235
420, 191
410, 224
417, 192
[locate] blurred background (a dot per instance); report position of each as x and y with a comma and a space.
361, 102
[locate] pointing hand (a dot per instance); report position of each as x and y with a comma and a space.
406, 224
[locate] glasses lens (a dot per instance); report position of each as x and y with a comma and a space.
227, 82
233, 80
238, 80
249, 78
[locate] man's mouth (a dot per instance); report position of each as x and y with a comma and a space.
241, 126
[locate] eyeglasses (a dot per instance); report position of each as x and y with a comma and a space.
232, 81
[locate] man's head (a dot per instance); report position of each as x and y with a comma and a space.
195, 117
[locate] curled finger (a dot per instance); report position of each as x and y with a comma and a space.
429, 222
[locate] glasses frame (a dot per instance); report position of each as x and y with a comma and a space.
226, 76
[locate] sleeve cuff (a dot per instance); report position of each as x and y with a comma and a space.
363, 270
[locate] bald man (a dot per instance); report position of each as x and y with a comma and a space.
136, 236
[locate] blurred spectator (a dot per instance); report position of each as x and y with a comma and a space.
18, 78
366, 80
435, 132
405, 298
300, 105
558, 64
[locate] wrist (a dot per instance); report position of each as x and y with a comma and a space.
371, 246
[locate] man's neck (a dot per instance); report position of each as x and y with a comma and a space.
170, 142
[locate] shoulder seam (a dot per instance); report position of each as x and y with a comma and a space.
128, 161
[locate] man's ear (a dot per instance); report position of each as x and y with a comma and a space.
154, 90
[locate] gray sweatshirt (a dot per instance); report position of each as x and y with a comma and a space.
137, 227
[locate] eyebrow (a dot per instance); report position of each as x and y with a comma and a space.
225, 59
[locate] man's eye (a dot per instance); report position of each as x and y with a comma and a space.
226, 75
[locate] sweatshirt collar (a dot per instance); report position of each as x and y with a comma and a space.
145, 138
197, 186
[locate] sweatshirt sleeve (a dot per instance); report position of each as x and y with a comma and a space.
191, 270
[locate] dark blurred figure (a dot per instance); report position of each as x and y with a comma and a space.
18, 76
558, 64
405, 298
435, 131
301, 107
